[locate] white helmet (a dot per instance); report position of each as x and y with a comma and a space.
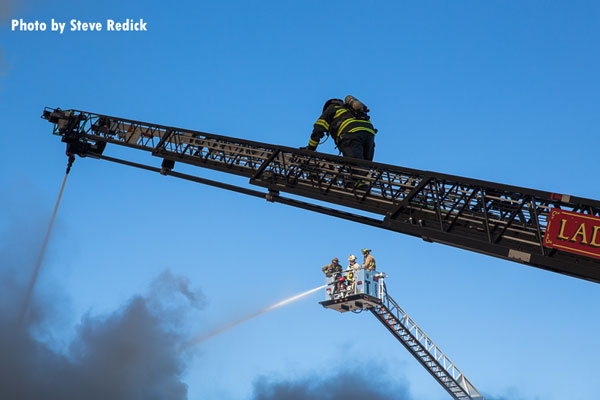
352, 257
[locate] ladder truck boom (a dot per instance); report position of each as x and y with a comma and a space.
366, 290
504, 221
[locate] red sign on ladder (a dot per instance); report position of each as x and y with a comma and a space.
573, 232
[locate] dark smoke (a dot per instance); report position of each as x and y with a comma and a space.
131, 353
348, 385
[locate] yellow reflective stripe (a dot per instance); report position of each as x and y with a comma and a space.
345, 124
313, 143
360, 128
323, 123
340, 112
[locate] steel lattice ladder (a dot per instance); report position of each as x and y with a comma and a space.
397, 321
495, 219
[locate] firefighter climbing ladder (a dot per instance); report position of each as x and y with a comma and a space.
504, 221
395, 319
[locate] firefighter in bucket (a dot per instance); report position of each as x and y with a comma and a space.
334, 271
350, 275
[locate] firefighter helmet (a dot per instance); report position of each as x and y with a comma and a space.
335, 260
329, 102
352, 257
366, 251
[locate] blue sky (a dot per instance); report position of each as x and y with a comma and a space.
500, 91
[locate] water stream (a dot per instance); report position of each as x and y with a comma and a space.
40, 258
201, 338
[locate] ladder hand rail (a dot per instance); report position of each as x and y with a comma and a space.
406, 330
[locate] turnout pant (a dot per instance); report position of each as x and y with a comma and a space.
359, 145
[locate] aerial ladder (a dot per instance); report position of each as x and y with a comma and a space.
367, 291
552, 231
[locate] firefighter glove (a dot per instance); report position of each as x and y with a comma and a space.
311, 148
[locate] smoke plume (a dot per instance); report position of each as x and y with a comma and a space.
375, 384
131, 353
348, 385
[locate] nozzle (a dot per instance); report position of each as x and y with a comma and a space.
70, 162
